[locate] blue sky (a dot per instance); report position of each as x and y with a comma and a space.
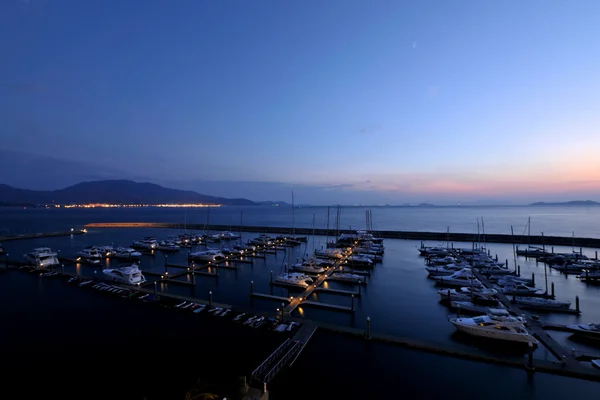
342, 101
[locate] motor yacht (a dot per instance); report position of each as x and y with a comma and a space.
359, 261
539, 302
164, 245
592, 330
309, 267
466, 294
127, 253
499, 327
148, 243
42, 257
207, 256
126, 273
346, 276
462, 278
294, 279
105, 251
89, 254
329, 253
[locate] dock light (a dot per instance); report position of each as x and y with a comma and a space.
166, 272
71, 229
162, 277
291, 297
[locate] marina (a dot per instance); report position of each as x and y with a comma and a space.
169, 272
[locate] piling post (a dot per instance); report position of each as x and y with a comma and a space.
552, 289
359, 290
518, 270
552, 249
533, 279
210, 298
496, 257
166, 263
530, 366
282, 307
514, 299
6, 260
271, 276
594, 257
62, 269
155, 284
251, 287
365, 279
506, 263
458, 311
577, 304
368, 328
352, 297
587, 273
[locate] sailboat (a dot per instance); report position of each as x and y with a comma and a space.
531, 251
295, 239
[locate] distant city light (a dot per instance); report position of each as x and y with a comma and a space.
104, 205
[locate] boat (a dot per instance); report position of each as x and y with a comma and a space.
359, 261
470, 307
207, 256
2, 251
519, 289
127, 253
227, 235
42, 257
466, 294
228, 251
164, 245
105, 251
294, 279
126, 273
149, 243
461, 278
495, 325
309, 266
262, 240
591, 329
345, 276
329, 253
596, 363
90, 254
446, 270
538, 302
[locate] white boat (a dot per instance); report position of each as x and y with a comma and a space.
462, 278
469, 307
358, 260
164, 245
42, 257
207, 256
127, 253
519, 289
90, 254
509, 329
262, 240
596, 363
591, 329
466, 294
345, 276
105, 251
329, 253
149, 243
126, 273
309, 267
540, 302
228, 251
229, 236
294, 279
446, 270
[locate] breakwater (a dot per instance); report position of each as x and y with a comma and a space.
407, 235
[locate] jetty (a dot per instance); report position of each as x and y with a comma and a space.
42, 235
408, 235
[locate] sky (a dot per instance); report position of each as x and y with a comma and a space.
340, 101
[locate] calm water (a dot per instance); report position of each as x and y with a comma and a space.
399, 298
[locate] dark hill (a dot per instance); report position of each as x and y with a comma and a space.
112, 192
568, 203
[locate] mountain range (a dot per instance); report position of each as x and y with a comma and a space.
568, 203
112, 192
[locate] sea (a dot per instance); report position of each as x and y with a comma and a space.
60, 340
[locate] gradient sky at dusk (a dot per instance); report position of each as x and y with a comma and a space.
341, 101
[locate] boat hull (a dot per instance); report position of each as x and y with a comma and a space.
494, 334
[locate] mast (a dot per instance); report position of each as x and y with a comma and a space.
528, 233
241, 224
483, 232
512, 234
293, 217
327, 230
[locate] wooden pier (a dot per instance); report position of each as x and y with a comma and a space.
270, 297
326, 305
337, 291
296, 301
